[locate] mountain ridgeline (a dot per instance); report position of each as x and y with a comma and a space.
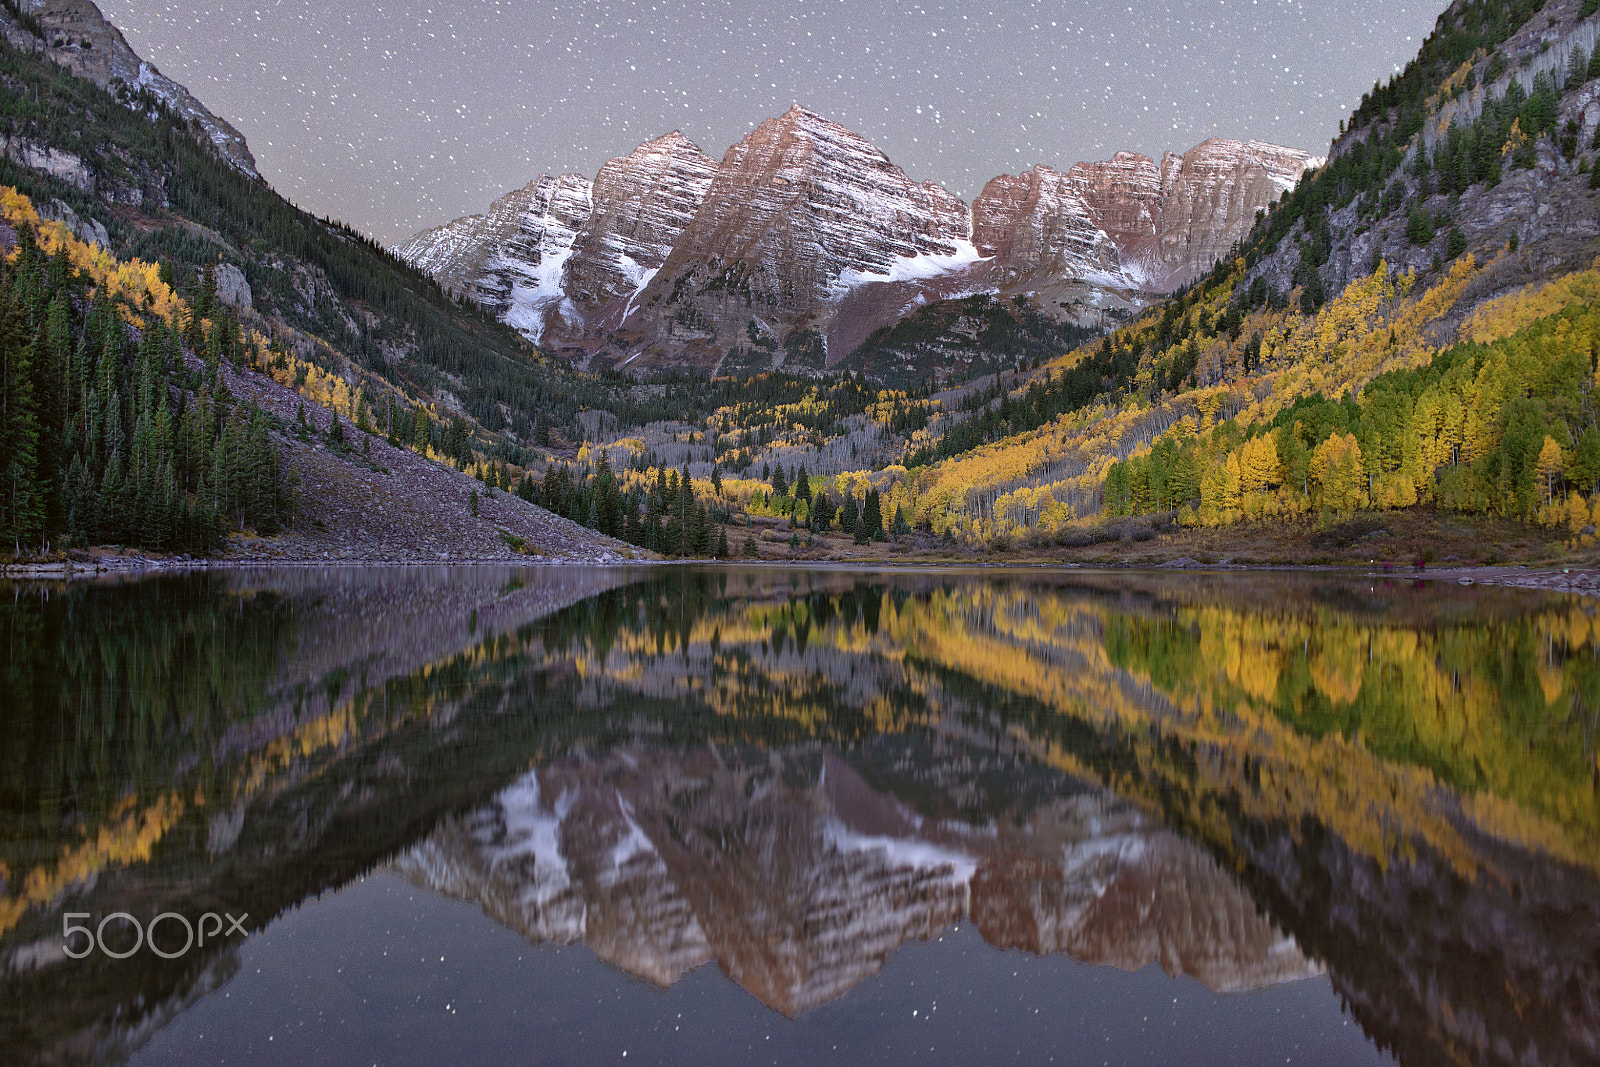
805, 239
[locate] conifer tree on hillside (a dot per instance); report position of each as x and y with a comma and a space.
821, 512
20, 511
872, 517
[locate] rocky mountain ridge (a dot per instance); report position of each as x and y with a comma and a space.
79, 37
806, 238
1521, 201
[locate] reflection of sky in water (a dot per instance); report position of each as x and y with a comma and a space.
455, 988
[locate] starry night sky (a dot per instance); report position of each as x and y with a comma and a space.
403, 114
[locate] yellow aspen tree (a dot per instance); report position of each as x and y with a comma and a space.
1550, 468
1337, 469
1577, 513
1213, 494
1231, 495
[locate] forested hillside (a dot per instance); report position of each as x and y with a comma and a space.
1412, 325
108, 434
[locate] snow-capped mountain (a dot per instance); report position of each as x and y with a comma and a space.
642, 203
801, 213
806, 238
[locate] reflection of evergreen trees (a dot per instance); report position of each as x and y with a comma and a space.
107, 686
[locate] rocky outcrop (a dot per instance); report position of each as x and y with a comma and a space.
89, 231
642, 204
1127, 224
80, 38
805, 239
800, 880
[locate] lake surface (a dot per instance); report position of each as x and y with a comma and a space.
727, 816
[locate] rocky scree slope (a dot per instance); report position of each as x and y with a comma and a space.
370, 502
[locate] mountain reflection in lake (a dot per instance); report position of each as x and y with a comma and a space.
794, 775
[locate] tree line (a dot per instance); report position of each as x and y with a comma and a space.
111, 432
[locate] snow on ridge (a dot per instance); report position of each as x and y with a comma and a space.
917, 268
533, 832
530, 304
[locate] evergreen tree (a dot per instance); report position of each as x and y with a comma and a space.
21, 504
872, 517
821, 512
850, 518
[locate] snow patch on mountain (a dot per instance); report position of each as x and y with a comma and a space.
921, 267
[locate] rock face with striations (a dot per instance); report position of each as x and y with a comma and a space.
1210, 195
642, 203
805, 238
800, 212
1127, 223
80, 38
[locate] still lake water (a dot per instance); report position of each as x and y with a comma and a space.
728, 816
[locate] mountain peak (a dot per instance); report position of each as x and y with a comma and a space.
805, 238
668, 141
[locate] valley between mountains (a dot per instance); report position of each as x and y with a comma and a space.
1383, 351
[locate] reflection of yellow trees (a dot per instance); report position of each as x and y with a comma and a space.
1339, 667
1384, 732
130, 839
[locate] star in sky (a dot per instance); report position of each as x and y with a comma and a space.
402, 114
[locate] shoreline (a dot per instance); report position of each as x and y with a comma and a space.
1579, 580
